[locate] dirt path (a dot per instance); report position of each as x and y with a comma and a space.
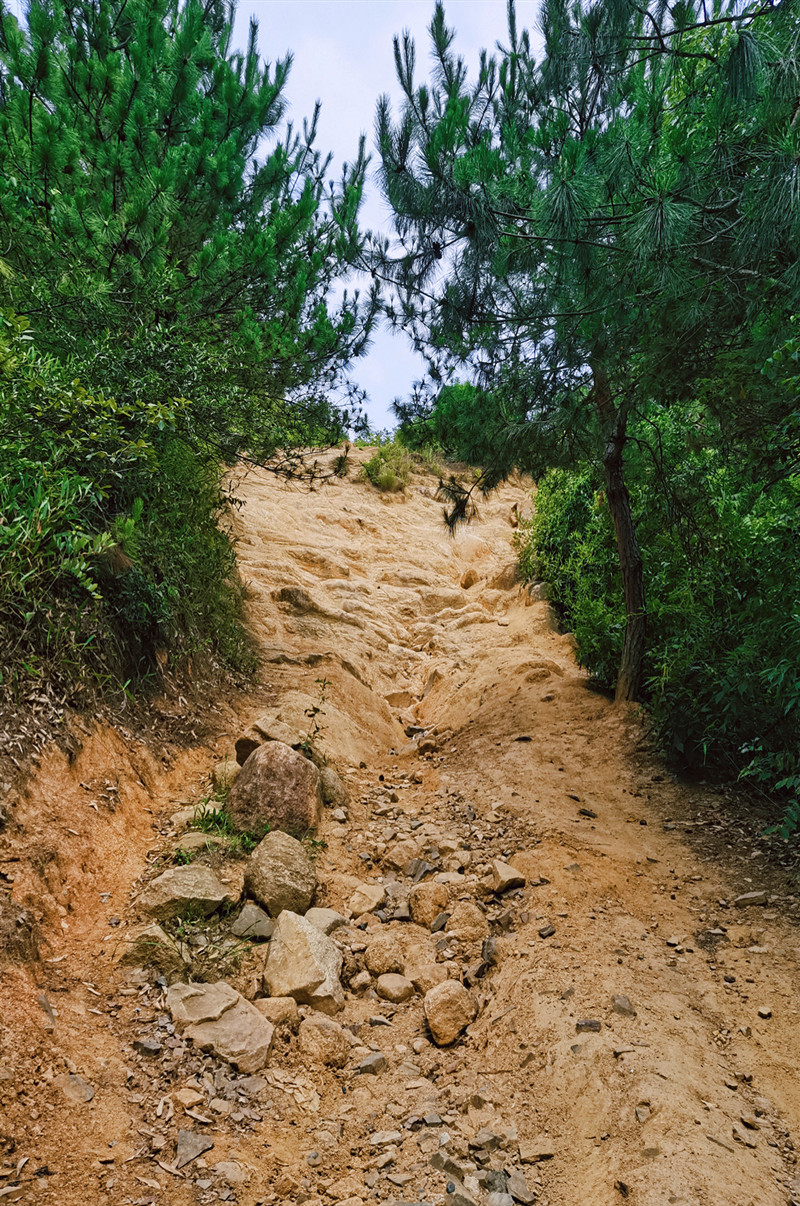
637, 1031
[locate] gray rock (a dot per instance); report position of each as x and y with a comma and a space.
326, 920
218, 1019
588, 1026
334, 791
74, 1087
622, 1006
751, 898
276, 789
180, 890
305, 964
189, 1146
517, 1186
253, 923
372, 1064
147, 1046
280, 875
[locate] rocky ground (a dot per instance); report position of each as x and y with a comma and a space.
490, 952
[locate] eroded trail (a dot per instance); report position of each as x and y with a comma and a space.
636, 1031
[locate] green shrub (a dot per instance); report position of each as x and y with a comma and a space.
111, 548
389, 469
722, 569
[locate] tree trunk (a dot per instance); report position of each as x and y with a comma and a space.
630, 558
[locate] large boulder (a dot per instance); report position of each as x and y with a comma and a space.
195, 890
218, 1019
449, 1009
277, 788
305, 964
280, 875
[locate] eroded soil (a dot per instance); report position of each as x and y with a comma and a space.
690, 1096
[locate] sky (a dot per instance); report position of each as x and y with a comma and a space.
343, 57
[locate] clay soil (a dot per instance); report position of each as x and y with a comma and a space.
460, 709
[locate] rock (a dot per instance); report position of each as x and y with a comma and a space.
366, 899
225, 774
427, 976
326, 920
588, 1026
764, 1012
196, 842
280, 875
147, 1046
231, 1172
531, 1151
469, 578
402, 853
277, 789
181, 890
218, 1019
506, 876
517, 1186
266, 728
372, 1064
426, 902
190, 1003
467, 922
750, 898
188, 1098
190, 1145
323, 1041
743, 1136
305, 964
383, 955
642, 1113
547, 931
499, 1199
361, 981
74, 1087
439, 922
281, 1011
449, 1009
152, 947
253, 923
622, 1006
333, 789
347, 1188
394, 988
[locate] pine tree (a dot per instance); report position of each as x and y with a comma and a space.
149, 190
587, 233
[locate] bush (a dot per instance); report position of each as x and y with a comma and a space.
389, 469
722, 569
110, 545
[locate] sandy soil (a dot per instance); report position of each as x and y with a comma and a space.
690, 1096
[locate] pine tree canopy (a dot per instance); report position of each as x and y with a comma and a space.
148, 183
587, 232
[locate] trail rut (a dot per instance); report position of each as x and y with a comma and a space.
637, 1030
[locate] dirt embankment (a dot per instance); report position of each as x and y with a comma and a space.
636, 1029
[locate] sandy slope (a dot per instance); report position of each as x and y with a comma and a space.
522, 761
